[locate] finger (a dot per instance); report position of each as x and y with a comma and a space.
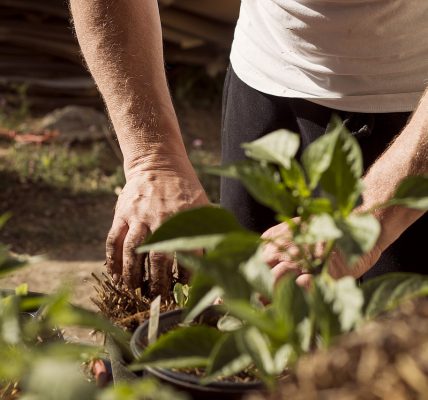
132, 261
114, 247
285, 267
304, 280
160, 274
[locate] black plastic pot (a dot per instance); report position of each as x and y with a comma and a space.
185, 382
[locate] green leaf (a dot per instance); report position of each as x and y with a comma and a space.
147, 389
234, 248
289, 308
202, 303
227, 323
183, 347
283, 358
61, 313
22, 289
321, 228
263, 183
388, 291
217, 269
412, 192
294, 178
257, 345
278, 147
182, 244
359, 235
258, 274
181, 294
51, 379
335, 161
226, 359
255, 317
345, 298
318, 156
199, 223
313, 206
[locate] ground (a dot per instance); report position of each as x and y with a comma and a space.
62, 198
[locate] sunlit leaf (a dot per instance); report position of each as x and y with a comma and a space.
345, 298
147, 389
227, 323
294, 178
183, 347
359, 235
52, 379
283, 358
278, 147
181, 294
318, 156
321, 228
257, 345
388, 291
258, 274
263, 183
335, 161
258, 318
196, 228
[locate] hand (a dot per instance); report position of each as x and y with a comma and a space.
148, 198
281, 254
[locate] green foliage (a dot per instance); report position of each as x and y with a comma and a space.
77, 169
386, 292
181, 294
185, 347
269, 327
147, 389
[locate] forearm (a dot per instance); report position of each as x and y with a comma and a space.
121, 41
407, 156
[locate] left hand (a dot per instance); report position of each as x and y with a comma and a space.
281, 254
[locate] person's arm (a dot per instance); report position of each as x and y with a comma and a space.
406, 156
121, 41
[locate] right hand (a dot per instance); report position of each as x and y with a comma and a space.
148, 198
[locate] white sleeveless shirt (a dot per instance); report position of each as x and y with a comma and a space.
353, 55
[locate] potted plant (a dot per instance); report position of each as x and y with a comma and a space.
266, 327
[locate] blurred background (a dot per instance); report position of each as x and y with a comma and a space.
60, 165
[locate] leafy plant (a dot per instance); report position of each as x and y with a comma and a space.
37, 364
266, 325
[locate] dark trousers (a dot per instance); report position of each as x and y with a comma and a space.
249, 114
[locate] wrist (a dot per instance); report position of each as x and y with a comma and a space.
156, 161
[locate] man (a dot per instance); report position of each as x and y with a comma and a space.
293, 64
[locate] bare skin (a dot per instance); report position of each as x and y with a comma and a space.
121, 41
407, 156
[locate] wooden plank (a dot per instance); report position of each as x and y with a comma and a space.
184, 40
217, 33
220, 10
